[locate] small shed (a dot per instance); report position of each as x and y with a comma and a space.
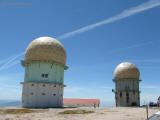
76, 102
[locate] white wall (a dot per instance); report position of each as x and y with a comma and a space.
42, 95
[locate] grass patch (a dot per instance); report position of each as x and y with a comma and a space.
17, 111
76, 112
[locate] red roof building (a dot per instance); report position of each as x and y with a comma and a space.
81, 102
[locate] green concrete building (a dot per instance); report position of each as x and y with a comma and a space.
44, 64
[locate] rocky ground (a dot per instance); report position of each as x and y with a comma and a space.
102, 113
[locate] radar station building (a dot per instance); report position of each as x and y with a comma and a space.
44, 64
126, 78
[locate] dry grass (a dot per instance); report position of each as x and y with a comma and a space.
76, 112
17, 111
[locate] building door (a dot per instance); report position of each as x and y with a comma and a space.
127, 97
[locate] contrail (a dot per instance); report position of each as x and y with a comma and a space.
5, 60
10, 65
11, 60
126, 13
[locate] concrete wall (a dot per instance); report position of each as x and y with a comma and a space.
42, 95
34, 71
130, 84
134, 99
127, 92
80, 105
40, 91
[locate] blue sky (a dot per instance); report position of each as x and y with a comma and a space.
127, 30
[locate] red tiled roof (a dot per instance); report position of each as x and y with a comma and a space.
80, 101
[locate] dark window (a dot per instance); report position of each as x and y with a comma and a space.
134, 93
31, 93
54, 94
61, 94
32, 84
54, 85
120, 94
44, 75
43, 85
138, 96
43, 93
127, 100
127, 97
127, 94
134, 104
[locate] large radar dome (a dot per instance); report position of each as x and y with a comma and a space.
126, 70
46, 49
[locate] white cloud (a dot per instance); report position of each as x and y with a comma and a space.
149, 93
108, 87
144, 86
146, 98
73, 89
149, 87
10, 87
10, 91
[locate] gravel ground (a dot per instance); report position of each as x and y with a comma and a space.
102, 113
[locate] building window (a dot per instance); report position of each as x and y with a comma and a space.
127, 97
133, 92
32, 84
54, 85
120, 94
127, 94
43, 93
43, 85
54, 94
44, 75
31, 93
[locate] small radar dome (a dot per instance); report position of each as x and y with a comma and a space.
126, 70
